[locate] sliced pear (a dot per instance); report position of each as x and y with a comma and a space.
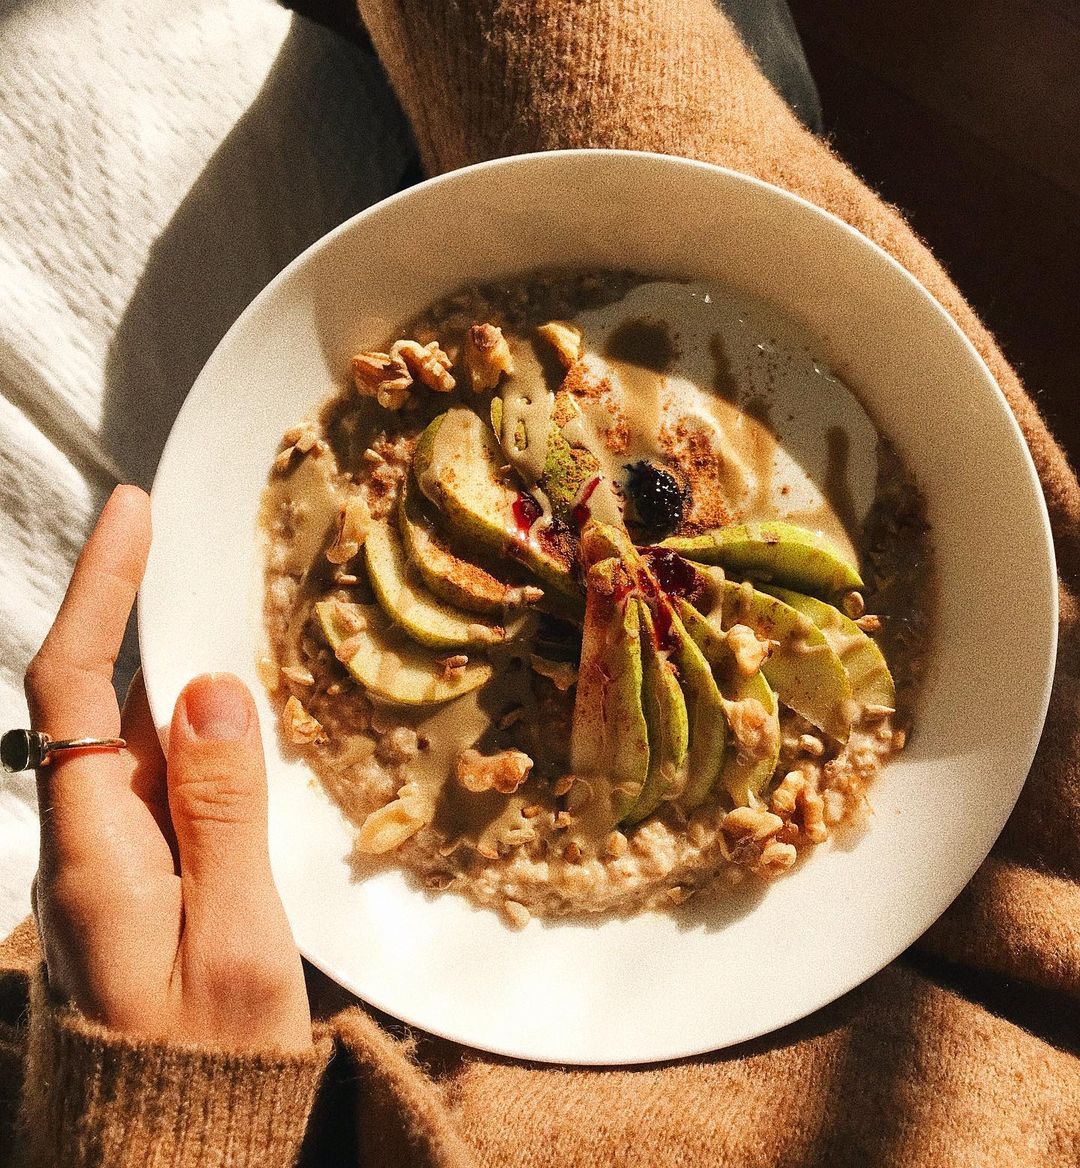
863, 661
419, 613
803, 669
667, 721
602, 541
456, 580
774, 552
609, 746
705, 709
458, 466
740, 776
542, 435
387, 664
568, 465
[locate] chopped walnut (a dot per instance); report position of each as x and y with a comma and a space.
853, 604
561, 674
532, 811
454, 666
384, 377
347, 650
748, 651
615, 845
486, 634
429, 364
562, 785
268, 672
750, 823
298, 674
812, 745
353, 524
572, 853
563, 820
786, 795
516, 914
869, 623
284, 459
297, 442
775, 859
812, 811
503, 772
390, 826
754, 730
678, 895
350, 618
300, 727
524, 596
487, 356
565, 339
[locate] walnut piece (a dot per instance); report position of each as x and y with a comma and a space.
748, 651
486, 356
775, 859
388, 827
384, 377
615, 845
503, 772
300, 727
853, 604
561, 674
755, 732
453, 666
353, 525
564, 338
428, 364
516, 914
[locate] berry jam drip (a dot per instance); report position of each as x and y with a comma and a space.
664, 626
676, 576
526, 512
580, 514
624, 585
658, 497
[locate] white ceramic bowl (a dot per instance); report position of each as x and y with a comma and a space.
654, 987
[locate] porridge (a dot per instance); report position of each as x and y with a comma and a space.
590, 591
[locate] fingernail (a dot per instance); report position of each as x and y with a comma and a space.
218, 707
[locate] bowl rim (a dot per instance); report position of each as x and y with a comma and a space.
635, 157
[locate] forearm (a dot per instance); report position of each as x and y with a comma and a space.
484, 78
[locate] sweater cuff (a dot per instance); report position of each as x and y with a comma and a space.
96, 1098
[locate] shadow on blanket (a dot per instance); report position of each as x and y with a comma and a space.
323, 139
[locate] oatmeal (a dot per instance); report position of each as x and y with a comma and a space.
590, 592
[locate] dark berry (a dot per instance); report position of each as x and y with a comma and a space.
657, 495
676, 576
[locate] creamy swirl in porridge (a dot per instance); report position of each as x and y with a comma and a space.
589, 591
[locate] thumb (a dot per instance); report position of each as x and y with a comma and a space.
217, 792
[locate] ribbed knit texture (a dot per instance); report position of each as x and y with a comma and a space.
899, 1072
96, 1100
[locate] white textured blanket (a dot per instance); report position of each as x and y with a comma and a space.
159, 163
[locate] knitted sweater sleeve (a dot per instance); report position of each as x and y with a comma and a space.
95, 1099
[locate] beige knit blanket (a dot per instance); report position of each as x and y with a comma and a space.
965, 1051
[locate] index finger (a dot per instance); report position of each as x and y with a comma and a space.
69, 683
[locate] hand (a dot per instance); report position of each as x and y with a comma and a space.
154, 897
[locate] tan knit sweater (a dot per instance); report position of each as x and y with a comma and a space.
966, 1052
